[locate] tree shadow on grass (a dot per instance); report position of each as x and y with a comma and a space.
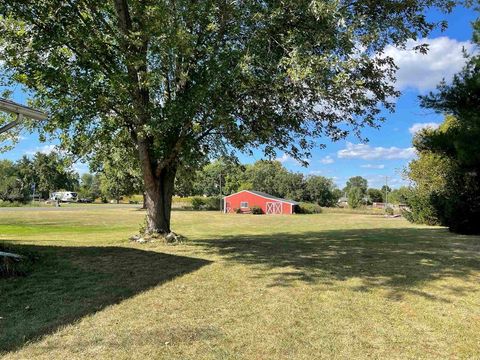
396, 259
68, 283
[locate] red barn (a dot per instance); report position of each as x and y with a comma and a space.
246, 199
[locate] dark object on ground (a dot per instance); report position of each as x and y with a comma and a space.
257, 210
8, 264
85, 201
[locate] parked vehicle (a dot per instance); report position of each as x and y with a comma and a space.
64, 196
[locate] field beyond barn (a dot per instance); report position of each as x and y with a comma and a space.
332, 285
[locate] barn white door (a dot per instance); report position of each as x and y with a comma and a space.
274, 208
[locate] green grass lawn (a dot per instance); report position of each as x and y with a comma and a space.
324, 286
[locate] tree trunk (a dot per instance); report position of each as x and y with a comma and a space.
158, 200
144, 206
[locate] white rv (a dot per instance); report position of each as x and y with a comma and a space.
64, 196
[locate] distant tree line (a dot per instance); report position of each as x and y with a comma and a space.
357, 193
41, 174
273, 178
114, 179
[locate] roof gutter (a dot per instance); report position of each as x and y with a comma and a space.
21, 111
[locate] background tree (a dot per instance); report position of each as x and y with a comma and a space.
222, 171
355, 197
115, 185
182, 79
357, 182
117, 179
321, 190
290, 185
264, 175
400, 195
375, 195
185, 182
90, 186
428, 173
50, 172
386, 190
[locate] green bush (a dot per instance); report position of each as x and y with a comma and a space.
257, 210
309, 208
421, 210
16, 204
198, 203
212, 203
389, 211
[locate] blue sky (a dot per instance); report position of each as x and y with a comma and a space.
389, 148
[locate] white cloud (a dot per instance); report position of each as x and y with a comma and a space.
425, 71
419, 126
284, 158
366, 152
327, 160
45, 149
377, 181
372, 166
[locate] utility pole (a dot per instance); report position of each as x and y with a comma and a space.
221, 199
386, 193
33, 195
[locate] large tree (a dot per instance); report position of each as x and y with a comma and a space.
321, 190
183, 78
90, 186
51, 172
449, 187
265, 176
356, 182
375, 195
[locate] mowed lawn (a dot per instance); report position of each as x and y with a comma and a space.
321, 286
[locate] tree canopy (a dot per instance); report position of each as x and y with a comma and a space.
357, 182
184, 79
446, 175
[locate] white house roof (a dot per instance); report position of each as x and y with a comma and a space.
266, 196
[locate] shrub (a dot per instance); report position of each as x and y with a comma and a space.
212, 203
15, 204
420, 209
198, 203
309, 208
389, 211
238, 211
257, 210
